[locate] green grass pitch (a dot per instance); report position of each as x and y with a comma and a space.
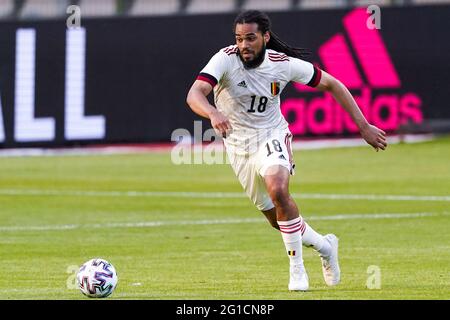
184, 231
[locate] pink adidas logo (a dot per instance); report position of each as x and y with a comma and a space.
322, 115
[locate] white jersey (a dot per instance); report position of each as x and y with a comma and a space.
250, 98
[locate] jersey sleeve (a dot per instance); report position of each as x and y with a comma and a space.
304, 72
215, 69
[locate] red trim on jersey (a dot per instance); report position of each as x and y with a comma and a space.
315, 80
230, 50
277, 55
208, 78
278, 59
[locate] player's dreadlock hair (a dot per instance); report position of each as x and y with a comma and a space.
264, 24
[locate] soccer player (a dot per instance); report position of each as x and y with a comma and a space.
247, 79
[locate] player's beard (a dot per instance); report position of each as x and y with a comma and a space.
256, 61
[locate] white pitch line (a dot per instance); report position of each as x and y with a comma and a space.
297, 144
370, 197
214, 195
153, 224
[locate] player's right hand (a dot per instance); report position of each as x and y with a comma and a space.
220, 123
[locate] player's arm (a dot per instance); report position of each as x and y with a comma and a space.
373, 135
197, 101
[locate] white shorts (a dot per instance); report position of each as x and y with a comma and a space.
250, 169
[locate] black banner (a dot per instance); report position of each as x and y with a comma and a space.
126, 79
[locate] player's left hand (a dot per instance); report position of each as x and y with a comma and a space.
375, 137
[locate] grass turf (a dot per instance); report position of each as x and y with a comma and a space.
44, 237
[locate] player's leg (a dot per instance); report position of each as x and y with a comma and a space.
277, 187
310, 238
276, 179
276, 170
253, 183
290, 224
247, 171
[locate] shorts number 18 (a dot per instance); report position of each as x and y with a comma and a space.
276, 146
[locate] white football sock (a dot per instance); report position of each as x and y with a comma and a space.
292, 238
313, 239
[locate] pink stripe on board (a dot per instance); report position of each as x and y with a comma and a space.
337, 60
371, 51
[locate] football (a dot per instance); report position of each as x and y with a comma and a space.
97, 278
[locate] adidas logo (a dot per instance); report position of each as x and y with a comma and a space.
282, 157
369, 49
372, 69
242, 84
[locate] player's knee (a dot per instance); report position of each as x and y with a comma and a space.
279, 194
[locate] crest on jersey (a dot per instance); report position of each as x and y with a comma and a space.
275, 88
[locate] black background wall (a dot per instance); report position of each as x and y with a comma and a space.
138, 71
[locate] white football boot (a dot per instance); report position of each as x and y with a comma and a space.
330, 264
298, 280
